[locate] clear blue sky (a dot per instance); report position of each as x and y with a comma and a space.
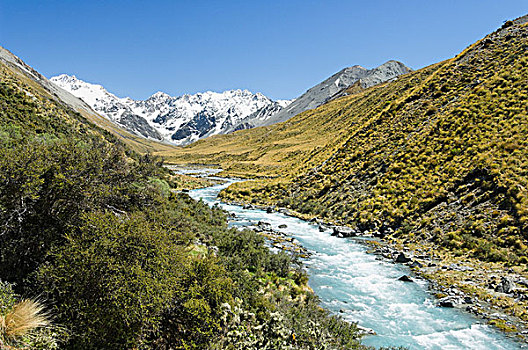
280, 48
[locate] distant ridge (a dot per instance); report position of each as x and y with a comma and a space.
181, 120
337, 84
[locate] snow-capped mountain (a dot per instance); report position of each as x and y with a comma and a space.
179, 120
184, 119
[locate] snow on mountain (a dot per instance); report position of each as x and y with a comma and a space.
179, 120
184, 119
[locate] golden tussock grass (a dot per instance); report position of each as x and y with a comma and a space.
24, 317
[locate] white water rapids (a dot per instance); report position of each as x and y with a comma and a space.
362, 289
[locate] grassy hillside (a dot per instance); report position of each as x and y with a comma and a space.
14, 68
439, 155
436, 162
121, 261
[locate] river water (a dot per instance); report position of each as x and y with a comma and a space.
362, 289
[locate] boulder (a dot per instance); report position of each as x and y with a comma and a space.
402, 259
415, 263
451, 301
264, 225
269, 210
283, 226
506, 285
343, 231
405, 278
365, 330
447, 302
468, 300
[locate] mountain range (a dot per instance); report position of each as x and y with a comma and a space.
335, 86
184, 119
432, 163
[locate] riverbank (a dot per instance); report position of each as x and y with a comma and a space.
454, 282
490, 291
496, 294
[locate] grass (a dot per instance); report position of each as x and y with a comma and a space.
437, 155
21, 320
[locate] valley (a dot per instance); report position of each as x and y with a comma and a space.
383, 208
434, 162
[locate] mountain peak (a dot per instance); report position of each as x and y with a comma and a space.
393, 63
179, 120
160, 95
336, 85
65, 78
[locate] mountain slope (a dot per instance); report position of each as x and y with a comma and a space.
336, 84
178, 120
434, 162
445, 140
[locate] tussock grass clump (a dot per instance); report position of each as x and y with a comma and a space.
26, 324
23, 318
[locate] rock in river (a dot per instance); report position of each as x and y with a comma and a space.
401, 258
343, 231
405, 278
450, 301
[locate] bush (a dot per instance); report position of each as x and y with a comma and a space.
45, 188
113, 279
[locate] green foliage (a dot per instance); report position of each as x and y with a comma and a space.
45, 187
116, 275
124, 261
246, 250
193, 320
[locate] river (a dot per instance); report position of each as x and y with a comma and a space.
366, 290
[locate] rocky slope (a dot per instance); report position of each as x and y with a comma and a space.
336, 85
179, 120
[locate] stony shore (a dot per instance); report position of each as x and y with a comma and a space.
496, 294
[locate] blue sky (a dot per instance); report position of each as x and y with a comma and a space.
280, 48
